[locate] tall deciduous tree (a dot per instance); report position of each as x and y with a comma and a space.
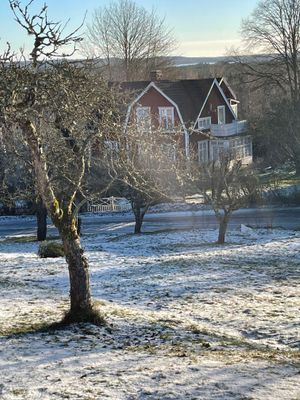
126, 33
274, 30
60, 110
272, 35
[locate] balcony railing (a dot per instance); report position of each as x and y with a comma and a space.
235, 128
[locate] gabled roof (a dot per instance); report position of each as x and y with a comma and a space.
188, 94
227, 89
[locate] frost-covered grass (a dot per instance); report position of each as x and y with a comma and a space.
186, 319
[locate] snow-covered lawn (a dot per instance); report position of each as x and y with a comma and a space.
187, 319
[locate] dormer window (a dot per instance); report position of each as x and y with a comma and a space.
221, 115
166, 117
143, 118
204, 123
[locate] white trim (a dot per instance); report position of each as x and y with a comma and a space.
205, 101
240, 146
186, 135
143, 122
235, 108
135, 101
205, 145
226, 101
142, 108
152, 85
215, 82
169, 151
217, 147
112, 148
229, 87
163, 112
208, 125
186, 143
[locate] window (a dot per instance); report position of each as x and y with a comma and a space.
241, 147
218, 147
143, 118
248, 147
112, 148
235, 109
169, 151
166, 117
204, 123
221, 115
203, 151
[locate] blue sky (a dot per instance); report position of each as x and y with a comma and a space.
202, 27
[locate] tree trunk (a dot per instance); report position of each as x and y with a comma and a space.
41, 217
138, 223
81, 307
139, 213
222, 229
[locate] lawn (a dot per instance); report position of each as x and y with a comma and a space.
186, 319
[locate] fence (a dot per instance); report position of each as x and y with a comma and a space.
111, 204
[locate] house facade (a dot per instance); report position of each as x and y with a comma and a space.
203, 112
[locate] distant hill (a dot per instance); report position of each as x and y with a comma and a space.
181, 61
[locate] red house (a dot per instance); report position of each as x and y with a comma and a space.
204, 111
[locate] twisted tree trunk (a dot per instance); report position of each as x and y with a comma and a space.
81, 307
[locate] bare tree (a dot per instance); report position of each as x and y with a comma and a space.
226, 186
127, 33
144, 166
272, 35
16, 181
60, 109
273, 29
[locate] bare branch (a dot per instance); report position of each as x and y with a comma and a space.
49, 37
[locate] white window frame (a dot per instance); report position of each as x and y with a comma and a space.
241, 147
169, 150
166, 114
143, 118
218, 147
221, 111
203, 156
204, 123
112, 146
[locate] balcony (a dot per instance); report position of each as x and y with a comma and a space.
235, 128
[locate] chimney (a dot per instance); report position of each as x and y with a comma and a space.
156, 75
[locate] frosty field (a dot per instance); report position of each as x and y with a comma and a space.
186, 319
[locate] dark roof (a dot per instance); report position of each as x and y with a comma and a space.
188, 94
229, 93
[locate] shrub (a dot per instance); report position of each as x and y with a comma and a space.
51, 249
